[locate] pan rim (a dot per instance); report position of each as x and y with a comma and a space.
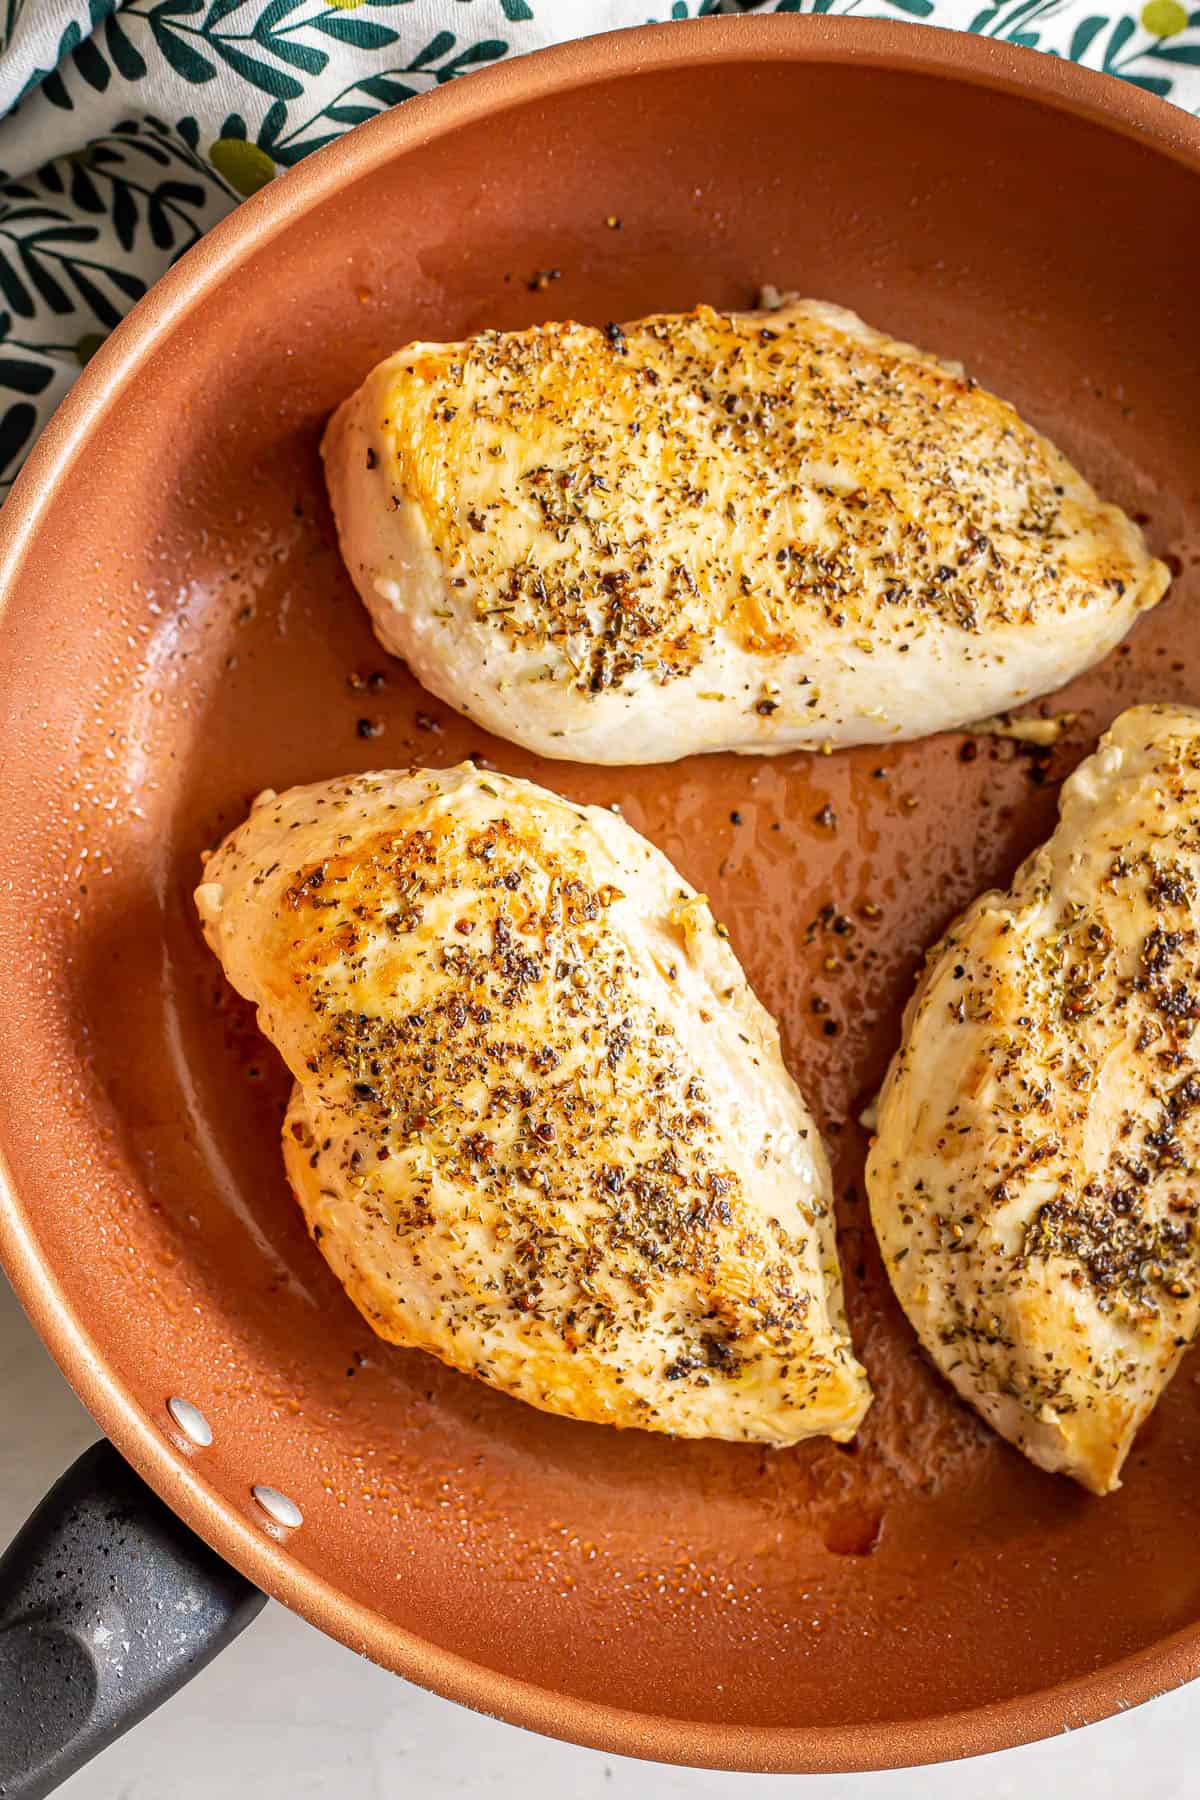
903, 48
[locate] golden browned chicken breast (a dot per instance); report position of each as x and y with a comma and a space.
713, 531
1034, 1179
541, 1126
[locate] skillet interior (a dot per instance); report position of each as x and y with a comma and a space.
182, 635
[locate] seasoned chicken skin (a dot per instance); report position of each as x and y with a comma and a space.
540, 1126
1034, 1179
708, 531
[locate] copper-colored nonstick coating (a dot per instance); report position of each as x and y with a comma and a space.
178, 633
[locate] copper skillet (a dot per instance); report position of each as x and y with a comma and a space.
178, 633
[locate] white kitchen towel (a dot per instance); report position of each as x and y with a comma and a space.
128, 127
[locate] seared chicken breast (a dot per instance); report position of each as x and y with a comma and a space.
712, 531
1034, 1179
541, 1126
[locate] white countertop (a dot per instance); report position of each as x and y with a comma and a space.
285, 1713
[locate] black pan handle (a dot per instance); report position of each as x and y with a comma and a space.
108, 1604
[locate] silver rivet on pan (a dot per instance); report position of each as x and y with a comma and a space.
277, 1506
191, 1421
